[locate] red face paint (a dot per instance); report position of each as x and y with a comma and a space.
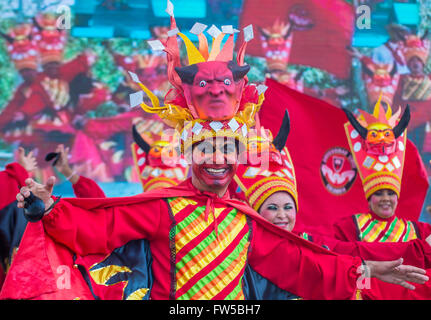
214, 164
214, 95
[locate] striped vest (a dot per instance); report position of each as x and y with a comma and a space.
208, 264
374, 230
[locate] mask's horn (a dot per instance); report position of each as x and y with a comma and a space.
402, 125
140, 141
280, 140
355, 123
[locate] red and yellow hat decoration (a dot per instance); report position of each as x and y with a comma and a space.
176, 112
51, 40
416, 46
275, 172
22, 48
378, 144
156, 160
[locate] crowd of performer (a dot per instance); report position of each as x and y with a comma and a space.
216, 218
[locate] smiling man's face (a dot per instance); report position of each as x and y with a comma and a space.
214, 164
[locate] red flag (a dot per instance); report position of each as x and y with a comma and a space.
322, 46
327, 188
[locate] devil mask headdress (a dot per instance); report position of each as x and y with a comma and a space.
210, 95
274, 172
378, 143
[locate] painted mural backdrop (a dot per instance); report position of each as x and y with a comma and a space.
70, 86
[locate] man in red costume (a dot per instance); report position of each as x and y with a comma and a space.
201, 240
23, 53
12, 222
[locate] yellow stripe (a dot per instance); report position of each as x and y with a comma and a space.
375, 232
102, 275
362, 219
179, 204
401, 228
234, 273
196, 231
221, 246
138, 294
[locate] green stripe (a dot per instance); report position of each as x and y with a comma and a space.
368, 229
234, 292
409, 227
216, 271
189, 219
389, 232
206, 241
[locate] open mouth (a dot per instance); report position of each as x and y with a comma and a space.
385, 207
282, 225
216, 172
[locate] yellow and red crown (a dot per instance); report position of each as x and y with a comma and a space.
277, 44
269, 168
51, 40
260, 181
156, 161
176, 112
380, 165
22, 48
416, 47
383, 83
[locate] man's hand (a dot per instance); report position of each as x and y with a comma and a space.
42, 191
63, 166
28, 162
397, 273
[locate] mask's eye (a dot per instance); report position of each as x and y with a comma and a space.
202, 84
227, 82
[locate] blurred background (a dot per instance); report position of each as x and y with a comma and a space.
340, 51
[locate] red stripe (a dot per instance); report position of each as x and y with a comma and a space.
230, 287
185, 212
217, 261
192, 244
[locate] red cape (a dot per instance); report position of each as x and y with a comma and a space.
34, 273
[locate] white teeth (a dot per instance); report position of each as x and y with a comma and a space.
216, 170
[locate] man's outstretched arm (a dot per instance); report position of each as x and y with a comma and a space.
93, 231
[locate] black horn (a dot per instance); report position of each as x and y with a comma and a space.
280, 140
238, 72
140, 141
355, 123
187, 74
402, 125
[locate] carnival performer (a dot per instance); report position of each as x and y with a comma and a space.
377, 142
148, 66
47, 108
268, 183
380, 79
391, 52
12, 222
415, 89
202, 240
276, 42
83, 187
23, 53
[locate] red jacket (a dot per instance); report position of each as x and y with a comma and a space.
105, 224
